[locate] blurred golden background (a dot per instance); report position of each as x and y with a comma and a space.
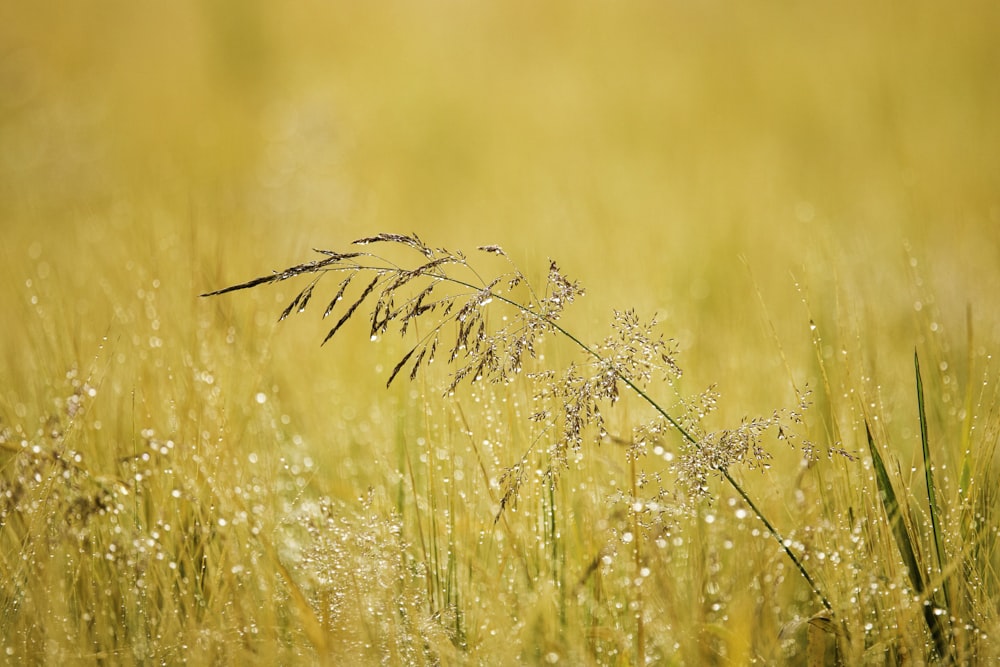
670, 155
804, 193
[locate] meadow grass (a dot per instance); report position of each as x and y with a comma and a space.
803, 198
491, 523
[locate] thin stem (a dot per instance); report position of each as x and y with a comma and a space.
437, 273
680, 429
777, 536
640, 625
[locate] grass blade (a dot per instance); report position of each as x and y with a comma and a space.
965, 476
891, 504
904, 542
932, 504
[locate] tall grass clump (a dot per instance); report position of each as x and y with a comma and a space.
916, 566
495, 328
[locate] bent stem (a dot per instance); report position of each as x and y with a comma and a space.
434, 268
778, 537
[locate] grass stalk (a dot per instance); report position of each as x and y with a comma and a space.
965, 475
640, 624
390, 278
778, 537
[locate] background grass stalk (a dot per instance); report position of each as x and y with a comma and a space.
638, 578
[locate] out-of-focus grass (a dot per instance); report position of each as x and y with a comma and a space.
840, 161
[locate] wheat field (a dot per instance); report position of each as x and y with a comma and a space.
794, 465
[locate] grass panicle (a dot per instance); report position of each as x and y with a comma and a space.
452, 299
586, 509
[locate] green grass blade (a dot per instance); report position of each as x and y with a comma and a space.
891, 504
965, 477
904, 542
932, 504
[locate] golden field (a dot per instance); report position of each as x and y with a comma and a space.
805, 196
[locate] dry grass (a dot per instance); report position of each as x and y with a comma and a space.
802, 195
